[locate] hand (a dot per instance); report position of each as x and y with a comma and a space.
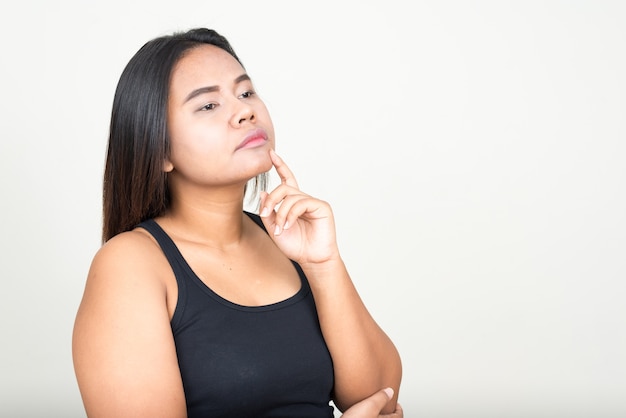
371, 407
302, 226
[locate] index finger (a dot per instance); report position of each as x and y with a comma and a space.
285, 174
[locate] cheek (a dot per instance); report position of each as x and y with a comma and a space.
195, 147
193, 134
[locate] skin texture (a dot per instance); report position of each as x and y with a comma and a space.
123, 348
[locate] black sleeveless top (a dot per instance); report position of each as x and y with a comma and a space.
245, 361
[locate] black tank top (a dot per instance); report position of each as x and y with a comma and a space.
244, 361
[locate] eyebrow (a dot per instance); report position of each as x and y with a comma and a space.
210, 89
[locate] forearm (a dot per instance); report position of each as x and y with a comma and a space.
365, 359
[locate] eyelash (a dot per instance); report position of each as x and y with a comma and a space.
248, 94
208, 106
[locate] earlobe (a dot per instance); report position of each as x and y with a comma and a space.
167, 166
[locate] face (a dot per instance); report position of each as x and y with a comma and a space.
220, 130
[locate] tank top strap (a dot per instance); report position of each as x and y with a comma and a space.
176, 261
165, 242
257, 219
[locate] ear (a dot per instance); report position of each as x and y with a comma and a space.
167, 165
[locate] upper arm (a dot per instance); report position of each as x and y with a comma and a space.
123, 349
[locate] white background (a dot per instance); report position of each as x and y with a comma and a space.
473, 151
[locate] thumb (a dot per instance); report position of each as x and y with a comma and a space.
371, 406
382, 400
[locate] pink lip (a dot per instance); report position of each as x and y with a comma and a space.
254, 138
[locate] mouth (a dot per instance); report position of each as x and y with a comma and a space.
253, 139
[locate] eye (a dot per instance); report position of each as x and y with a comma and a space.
247, 94
208, 106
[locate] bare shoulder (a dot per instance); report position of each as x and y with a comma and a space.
126, 274
131, 252
130, 268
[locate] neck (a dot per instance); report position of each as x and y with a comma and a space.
213, 217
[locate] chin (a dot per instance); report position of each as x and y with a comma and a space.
259, 169
265, 164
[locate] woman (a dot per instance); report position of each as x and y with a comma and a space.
195, 307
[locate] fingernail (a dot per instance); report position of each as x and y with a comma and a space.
265, 212
277, 230
286, 225
389, 392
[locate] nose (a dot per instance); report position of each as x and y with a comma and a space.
243, 113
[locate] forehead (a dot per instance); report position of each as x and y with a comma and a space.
204, 65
